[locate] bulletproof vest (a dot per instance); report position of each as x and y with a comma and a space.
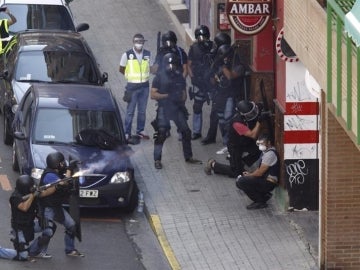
202, 59
172, 85
241, 141
274, 169
55, 199
20, 219
3, 32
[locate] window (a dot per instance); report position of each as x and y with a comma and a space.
62, 125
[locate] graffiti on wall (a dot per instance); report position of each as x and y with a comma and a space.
300, 151
303, 183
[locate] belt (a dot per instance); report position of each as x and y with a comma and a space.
271, 180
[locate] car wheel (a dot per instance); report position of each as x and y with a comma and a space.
8, 139
15, 163
133, 200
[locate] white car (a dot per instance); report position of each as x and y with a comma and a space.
41, 14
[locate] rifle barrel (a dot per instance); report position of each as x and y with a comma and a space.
45, 187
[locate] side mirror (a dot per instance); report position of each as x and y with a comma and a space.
104, 77
82, 27
19, 135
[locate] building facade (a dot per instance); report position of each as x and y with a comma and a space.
307, 59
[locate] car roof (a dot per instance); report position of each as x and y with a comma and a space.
74, 96
38, 2
55, 40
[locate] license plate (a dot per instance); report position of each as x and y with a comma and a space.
88, 193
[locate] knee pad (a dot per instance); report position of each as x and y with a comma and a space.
43, 240
50, 227
71, 231
197, 107
161, 136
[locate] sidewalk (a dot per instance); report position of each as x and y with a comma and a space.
201, 221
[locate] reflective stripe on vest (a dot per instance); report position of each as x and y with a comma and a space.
4, 32
136, 72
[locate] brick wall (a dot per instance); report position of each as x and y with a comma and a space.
341, 216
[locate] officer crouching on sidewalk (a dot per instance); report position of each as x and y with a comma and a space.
169, 90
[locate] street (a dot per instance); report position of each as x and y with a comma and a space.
111, 239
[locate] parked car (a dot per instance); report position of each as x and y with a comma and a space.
41, 14
84, 123
43, 56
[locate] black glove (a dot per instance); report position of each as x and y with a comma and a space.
73, 165
260, 118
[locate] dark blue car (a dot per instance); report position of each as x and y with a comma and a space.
84, 123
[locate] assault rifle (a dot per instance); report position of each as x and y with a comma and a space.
39, 189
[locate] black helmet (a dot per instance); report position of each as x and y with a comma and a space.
171, 58
24, 184
222, 38
171, 63
223, 51
54, 159
168, 38
202, 30
247, 109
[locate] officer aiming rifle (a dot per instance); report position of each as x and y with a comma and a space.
57, 174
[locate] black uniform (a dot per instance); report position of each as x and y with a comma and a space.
171, 108
242, 149
201, 56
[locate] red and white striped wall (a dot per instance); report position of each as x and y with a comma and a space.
302, 115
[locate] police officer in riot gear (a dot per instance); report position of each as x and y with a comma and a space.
225, 72
220, 39
245, 128
26, 220
200, 58
169, 90
169, 45
53, 210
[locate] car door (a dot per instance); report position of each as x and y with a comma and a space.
7, 70
22, 129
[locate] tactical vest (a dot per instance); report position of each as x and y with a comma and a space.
237, 140
172, 85
202, 58
4, 33
274, 169
57, 198
136, 71
21, 220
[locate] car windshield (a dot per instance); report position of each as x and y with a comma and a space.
55, 66
63, 125
31, 16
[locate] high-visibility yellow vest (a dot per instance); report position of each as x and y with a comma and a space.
136, 72
4, 33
